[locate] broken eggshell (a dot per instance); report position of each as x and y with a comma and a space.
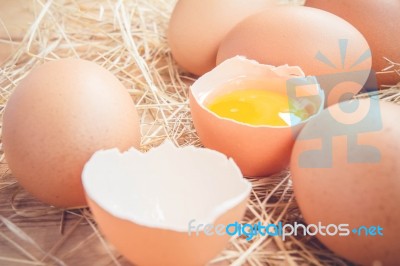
258, 150
144, 202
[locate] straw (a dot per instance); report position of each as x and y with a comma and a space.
129, 39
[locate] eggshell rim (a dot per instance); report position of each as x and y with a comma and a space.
215, 213
243, 59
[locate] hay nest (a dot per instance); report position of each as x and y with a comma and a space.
128, 38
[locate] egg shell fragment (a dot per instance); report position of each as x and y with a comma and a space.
144, 202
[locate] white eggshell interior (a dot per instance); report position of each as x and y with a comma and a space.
238, 68
165, 187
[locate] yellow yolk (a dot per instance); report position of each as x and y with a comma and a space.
257, 107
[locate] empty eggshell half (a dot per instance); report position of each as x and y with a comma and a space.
144, 202
258, 150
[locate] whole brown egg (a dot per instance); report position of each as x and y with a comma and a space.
379, 22
197, 27
346, 177
322, 44
57, 117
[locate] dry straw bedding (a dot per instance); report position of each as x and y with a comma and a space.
128, 38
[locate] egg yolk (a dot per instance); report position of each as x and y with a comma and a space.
257, 107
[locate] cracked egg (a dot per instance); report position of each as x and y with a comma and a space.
253, 112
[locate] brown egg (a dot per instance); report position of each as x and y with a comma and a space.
322, 44
16, 16
379, 22
197, 27
56, 118
346, 170
259, 150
